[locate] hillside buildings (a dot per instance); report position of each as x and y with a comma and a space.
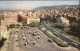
11, 17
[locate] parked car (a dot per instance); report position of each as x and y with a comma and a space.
22, 34
34, 34
49, 40
74, 43
27, 32
25, 43
24, 38
38, 37
28, 41
34, 42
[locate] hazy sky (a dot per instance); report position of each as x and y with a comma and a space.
28, 5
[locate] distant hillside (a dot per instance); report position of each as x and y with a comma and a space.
38, 8
50, 7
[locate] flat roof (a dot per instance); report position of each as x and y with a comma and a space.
33, 17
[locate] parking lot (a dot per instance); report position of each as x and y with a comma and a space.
31, 39
34, 40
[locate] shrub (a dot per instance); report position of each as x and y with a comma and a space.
2, 42
18, 25
33, 24
12, 25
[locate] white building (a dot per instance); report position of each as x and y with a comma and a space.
32, 19
63, 21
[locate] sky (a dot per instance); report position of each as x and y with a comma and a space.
29, 5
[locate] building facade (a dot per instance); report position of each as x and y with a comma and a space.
30, 20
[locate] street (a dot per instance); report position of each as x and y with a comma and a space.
64, 38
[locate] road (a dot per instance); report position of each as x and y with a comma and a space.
64, 38
42, 44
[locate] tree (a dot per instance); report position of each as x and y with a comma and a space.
19, 18
75, 28
78, 29
32, 24
54, 20
78, 8
79, 13
24, 24
57, 16
42, 19
72, 19
48, 18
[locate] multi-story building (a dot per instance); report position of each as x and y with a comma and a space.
33, 19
